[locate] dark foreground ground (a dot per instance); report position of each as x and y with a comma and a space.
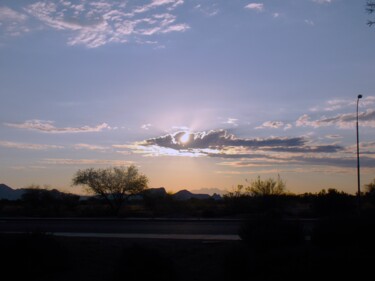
332, 254
44, 257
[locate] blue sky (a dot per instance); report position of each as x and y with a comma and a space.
197, 93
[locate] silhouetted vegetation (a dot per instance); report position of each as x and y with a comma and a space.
115, 184
43, 202
241, 202
49, 203
267, 187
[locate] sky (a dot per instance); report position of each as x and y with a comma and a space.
198, 94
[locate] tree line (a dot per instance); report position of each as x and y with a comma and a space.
123, 191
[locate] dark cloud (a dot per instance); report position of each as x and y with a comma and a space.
240, 156
366, 162
219, 139
309, 149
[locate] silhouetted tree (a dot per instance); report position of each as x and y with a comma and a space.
115, 184
370, 8
333, 203
46, 201
266, 187
370, 187
236, 192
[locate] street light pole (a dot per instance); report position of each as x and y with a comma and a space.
358, 166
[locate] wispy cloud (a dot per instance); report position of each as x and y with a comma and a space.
255, 6
172, 4
343, 121
208, 10
85, 162
271, 124
31, 146
301, 160
93, 24
295, 169
146, 126
231, 121
333, 137
309, 22
48, 127
86, 146
339, 104
12, 22
323, 1
34, 167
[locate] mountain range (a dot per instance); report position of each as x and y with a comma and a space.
9, 193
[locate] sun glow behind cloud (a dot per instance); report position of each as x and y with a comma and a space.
185, 138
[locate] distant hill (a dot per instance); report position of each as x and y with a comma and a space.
156, 192
9, 193
210, 191
186, 195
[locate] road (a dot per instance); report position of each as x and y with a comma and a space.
147, 228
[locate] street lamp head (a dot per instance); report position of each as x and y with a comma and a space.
359, 96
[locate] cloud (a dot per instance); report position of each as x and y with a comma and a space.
90, 147
309, 22
367, 101
85, 162
220, 144
157, 3
231, 121
338, 104
288, 126
343, 121
309, 149
146, 126
302, 160
283, 170
271, 124
31, 146
48, 127
323, 1
274, 125
333, 137
10, 15
252, 152
217, 139
36, 167
255, 6
366, 148
94, 24
208, 10
12, 22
